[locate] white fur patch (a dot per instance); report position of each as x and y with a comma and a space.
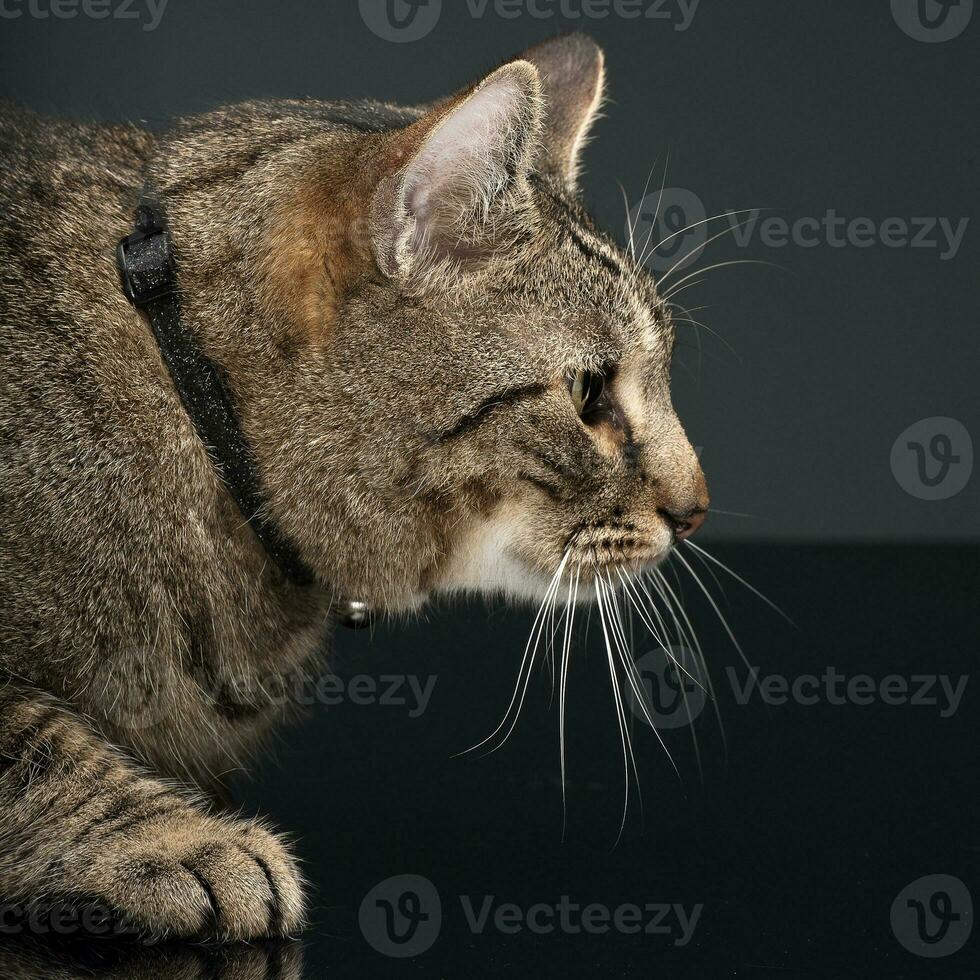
484, 561
487, 560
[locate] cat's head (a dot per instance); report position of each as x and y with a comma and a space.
528, 355
490, 390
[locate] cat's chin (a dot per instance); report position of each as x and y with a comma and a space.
493, 571
513, 579
489, 561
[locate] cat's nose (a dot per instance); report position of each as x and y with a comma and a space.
684, 523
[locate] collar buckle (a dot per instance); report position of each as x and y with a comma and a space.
146, 261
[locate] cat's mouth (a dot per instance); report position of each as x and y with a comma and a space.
511, 552
619, 545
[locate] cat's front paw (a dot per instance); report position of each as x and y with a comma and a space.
193, 876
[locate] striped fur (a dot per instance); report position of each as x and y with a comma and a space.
395, 296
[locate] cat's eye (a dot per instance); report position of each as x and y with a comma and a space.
586, 388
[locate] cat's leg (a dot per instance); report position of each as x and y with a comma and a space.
79, 820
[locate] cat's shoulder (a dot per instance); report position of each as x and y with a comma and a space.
34, 138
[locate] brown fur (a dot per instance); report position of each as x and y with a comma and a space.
396, 297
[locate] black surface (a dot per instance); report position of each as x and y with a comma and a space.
797, 843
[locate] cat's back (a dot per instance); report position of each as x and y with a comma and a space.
68, 189
103, 478
84, 408
68, 338
105, 487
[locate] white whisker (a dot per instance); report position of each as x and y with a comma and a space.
714, 606
691, 227
704, 326
735, 513
738, 578
620, 712
710, 268
630, 226
524, 674
689, 638
562, 690
633, 598
680, 262
662, 639
656, 216
633, 677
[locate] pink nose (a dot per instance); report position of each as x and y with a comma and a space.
684, 524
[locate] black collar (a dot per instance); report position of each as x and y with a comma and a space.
149, 281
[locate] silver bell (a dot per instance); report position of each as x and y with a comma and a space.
354, 615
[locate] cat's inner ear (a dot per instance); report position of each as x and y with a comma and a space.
447, 200
572, 72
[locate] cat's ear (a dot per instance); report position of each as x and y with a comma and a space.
572, 72
455, 170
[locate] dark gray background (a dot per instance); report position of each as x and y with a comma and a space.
801, 833
799, 107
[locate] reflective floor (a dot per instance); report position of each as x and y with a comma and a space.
822, 820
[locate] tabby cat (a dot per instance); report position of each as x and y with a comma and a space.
447, 379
